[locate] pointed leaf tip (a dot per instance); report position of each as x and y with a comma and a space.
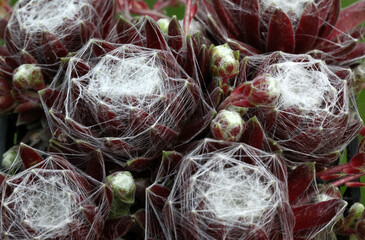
29, 156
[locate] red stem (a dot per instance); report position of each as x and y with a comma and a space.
190, 10
334, 169
347, 179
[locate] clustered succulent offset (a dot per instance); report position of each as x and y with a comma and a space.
37, 35
297, 99
217, 127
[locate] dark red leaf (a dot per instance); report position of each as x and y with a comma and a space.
300, 179
307, 30
331, 19
316, 214
249, 18
101, 47
52, 48
157, 196
174, 31
127, 32
139, 164
280, 33
95, 167
226, 18
154, 36
116, 228
349, 18
358, 161
87, 31
253, 134
29, 156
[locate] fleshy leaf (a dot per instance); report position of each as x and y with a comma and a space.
300, 179
280, 33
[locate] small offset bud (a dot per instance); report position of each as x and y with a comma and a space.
354, 216
163, 23
359, 73
123, 188
28, 76
224, 61
9, 160
122, 185
228, 126
264, 91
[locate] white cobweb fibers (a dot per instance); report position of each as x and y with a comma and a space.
314, 113
64, 20
223, 191
36, 15
49, 201
135, 76
131, 101
303, 86
294, 6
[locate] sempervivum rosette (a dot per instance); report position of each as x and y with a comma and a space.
127, 100
306, 106
49, 30
38, 34
290, 26
191, 50
223, 190
50, 199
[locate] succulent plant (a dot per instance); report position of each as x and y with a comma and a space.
49, 30
293, 27
130, 104
140, 94
51, 199
317, 208
353, 224
301, 102
228, 126
123, 187
130, 101
222, 190
20, 83
38, 34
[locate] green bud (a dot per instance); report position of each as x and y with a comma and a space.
354, 216
163, 23
123, 187
224, 61
228, 126
28, 76
359, 73
9, 160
